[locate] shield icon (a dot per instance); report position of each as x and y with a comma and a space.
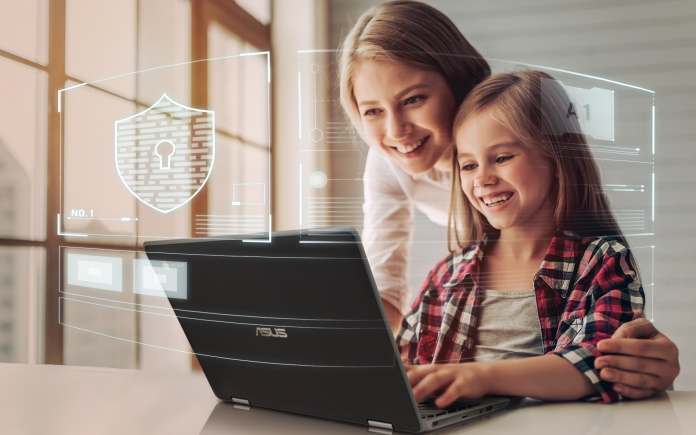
165, 154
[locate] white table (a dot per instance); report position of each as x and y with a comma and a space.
55, 400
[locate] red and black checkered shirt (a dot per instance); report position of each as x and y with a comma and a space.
585, 289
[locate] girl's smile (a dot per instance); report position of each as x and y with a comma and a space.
405, 113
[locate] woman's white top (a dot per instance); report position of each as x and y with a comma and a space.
508, 326
390, 195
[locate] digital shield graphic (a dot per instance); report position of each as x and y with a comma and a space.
165, 154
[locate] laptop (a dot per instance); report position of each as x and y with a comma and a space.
292, 321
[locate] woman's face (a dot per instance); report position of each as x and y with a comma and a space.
405, 113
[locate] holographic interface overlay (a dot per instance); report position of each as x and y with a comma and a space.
216, 296
145, 161
618, 120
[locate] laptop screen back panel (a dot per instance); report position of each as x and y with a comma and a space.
292, 326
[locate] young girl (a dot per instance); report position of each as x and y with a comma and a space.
540, 268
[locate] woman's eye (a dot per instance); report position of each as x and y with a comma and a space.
414, 99
469, 167
503, 159
371, 112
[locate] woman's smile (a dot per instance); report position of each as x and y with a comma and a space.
411, 148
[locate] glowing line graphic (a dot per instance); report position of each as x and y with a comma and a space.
653, 129
225, 321
260, 240
123, 219
325, 50
257, 256
518, 63
327, 242
299, 102
652, 284
222, 357
218, 314
314, 82
60, 321
162, 67
61, 233
653, 195
574, 73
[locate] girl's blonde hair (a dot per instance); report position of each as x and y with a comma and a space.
412, 34
536, 109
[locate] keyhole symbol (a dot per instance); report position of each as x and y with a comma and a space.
165, 150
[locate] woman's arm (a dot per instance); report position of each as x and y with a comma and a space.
393, 315
639, 359
386, 234
546, 377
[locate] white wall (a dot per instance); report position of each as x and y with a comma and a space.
648, 43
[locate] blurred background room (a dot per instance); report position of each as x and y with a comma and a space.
285, 155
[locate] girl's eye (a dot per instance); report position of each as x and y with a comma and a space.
414, 99
469, 167
503, 159
371, 112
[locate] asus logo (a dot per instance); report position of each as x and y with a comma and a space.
271, 332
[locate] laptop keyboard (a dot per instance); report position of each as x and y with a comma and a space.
429, 410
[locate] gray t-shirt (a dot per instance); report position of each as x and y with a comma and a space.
508, 326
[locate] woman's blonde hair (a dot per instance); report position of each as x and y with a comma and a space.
537, 110
412, 34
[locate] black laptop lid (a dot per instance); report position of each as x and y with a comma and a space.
294, 324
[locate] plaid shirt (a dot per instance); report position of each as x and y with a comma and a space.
585, 289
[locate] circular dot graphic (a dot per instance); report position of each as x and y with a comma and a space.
317, 180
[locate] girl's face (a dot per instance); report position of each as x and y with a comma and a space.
505, 180
405, 113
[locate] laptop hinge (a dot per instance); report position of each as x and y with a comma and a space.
240, 401
380, 424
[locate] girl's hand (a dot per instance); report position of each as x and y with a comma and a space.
469, 380
639, 360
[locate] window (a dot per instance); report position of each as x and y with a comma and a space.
69, 73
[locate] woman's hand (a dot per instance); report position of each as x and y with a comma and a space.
639, 360
467, 380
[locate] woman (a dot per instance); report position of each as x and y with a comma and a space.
404, 69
